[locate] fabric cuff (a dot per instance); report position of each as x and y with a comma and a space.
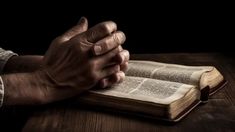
1, 91
4, 58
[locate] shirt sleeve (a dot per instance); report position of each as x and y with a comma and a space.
1, 91
4, 56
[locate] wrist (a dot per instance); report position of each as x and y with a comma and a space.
47, 79
51, 89
43, 78
24, 88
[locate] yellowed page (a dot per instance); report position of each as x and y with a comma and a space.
149, 90
170, 72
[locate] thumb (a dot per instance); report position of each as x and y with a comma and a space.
79, 28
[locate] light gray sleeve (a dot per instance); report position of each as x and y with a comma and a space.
1, 91
4, 56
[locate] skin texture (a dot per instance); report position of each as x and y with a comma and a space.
76, 61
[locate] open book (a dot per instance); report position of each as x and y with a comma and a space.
159, 90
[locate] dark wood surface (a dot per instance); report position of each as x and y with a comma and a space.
217, 115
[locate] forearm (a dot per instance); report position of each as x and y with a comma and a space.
33, 88
27, 63
22, 89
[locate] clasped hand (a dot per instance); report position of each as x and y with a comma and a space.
82, 58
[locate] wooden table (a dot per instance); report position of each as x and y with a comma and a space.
217, 115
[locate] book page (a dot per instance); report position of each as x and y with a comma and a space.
171, 72
146, 89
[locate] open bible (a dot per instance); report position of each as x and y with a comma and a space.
158, 90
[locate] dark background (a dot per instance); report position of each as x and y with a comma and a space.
29, 27
149, 27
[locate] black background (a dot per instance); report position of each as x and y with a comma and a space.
149, 27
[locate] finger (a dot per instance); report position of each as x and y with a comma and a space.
117, 59
114, 57
103, 83
114, 78
120, 76
108, 43
124, 67
79, 28
100, 31
106, 59
120, 48
109, 71
122, 57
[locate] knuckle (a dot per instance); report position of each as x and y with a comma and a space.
121, 37
127, 55
116, 68
120, 48
116, 50
108, 27
92, 35
122, 77
124, 67
116, 38
106, 44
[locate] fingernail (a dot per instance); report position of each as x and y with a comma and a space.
82, 20
97, 50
